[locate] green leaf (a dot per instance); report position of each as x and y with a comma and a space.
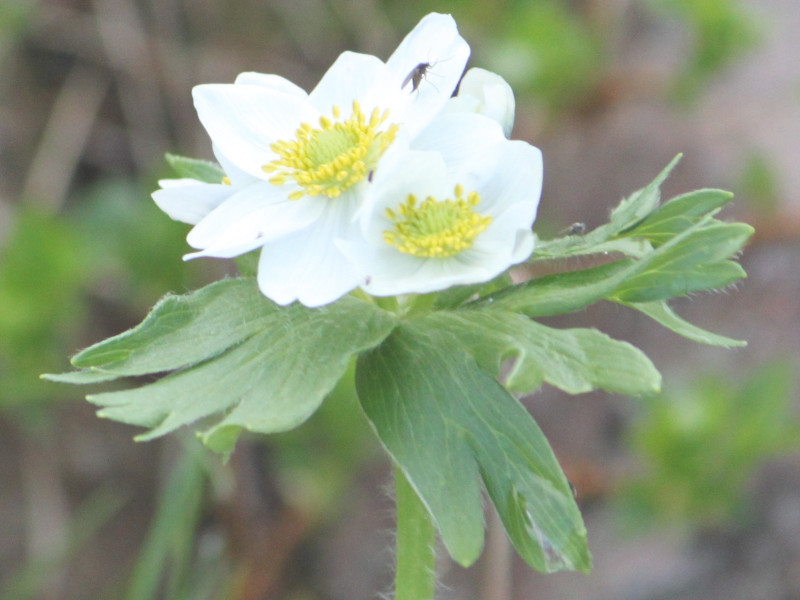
680, 213
640, 204
86, 377
266, 367
446, 422
184, 330
574, 360
560, 293
692, 261
659, 311
652, 286
194, 168
695, 259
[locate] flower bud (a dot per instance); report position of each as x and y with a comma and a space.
487, 94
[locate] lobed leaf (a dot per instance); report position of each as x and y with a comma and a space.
447, 423
183, 330
251, 363
574, 360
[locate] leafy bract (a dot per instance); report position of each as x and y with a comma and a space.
257, 365
448, 424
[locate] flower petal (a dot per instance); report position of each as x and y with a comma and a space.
515, 176
462, 139
238, 177
249, 218
273, 82
353, 76
189, 200
389, 273
244, 120
426, 68
307, 266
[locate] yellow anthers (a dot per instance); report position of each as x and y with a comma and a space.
329, 159
227, 180
436, 228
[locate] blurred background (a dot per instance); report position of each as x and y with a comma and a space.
695, 494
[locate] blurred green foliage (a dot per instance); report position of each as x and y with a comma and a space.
700, 447
43, 270
135, 249
15, 17
758, 184
550, 51
722, 30
115, 243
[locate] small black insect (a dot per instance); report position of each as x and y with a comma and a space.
574, 229
416, 76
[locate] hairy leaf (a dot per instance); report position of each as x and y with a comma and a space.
448, 424
251, 363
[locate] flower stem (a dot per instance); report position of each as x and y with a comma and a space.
415, 577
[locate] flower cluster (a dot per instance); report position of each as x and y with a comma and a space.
379, 178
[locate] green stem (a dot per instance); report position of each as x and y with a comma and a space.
415, 578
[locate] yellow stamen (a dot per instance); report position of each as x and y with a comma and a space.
436, 228
329, 159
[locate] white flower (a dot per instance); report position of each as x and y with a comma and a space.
310, 157
488, 94
458, 210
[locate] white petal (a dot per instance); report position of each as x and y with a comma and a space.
353, 76
507, 241
462, 139
397, 273
426, 67
238, 177
524, 243
229, 250
487, 94
307, 266
274, 82
179, 183
189, 200
244, 120
515, 170
250, 217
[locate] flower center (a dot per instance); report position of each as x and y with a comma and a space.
333, 157
436, 228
